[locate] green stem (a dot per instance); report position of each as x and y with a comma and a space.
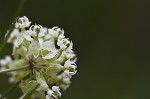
13, 87
15, 69
11, 27
20, 7
28, 94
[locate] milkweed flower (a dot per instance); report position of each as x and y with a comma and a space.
42, 53
54, 93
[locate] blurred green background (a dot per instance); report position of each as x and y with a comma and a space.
111, 39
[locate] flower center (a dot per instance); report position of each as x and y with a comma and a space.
32, 64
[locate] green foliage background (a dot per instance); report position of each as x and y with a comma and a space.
111, 39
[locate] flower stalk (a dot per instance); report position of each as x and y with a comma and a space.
15, 69
11, 27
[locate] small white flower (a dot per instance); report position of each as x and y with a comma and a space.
69, 49
64, 86
70, 68
68, 64
23, 22
33, 49
70, 55
48, 49
65, 81
13, 35
34, 30
5, 61
56, 89
67, 55
56, 32
70, 73
63, 43
22, 36
8, 58
49, 97
48, 45
12, 79
54, 93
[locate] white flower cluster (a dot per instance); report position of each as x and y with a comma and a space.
46, 53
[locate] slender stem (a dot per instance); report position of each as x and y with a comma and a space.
28, 94
20, 7
7, 36
11, 27
13, 87
15, 69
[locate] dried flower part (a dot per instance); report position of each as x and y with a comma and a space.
46, 53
